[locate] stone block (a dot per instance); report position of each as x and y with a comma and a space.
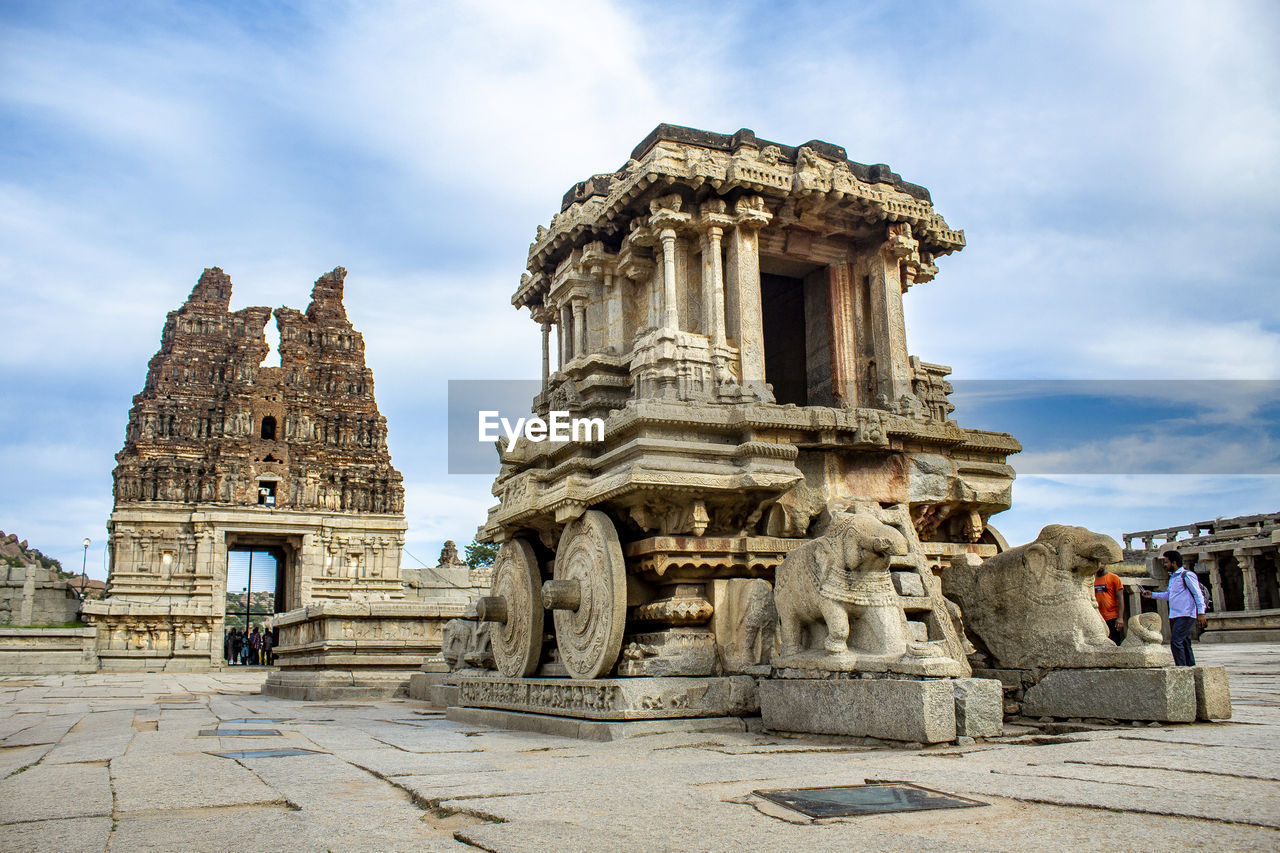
326, 685
679, 652
888, 708
418, 686
908, 583
442, 695
1166, 694
979, 707
1213, 693
1011, 679
40, 651
612, 698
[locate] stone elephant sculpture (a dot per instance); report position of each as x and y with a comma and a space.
1032, 607
841, 582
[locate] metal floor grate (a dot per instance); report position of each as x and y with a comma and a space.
267, 753
875, 798
251, 720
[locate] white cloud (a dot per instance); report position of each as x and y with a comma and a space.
1103, 502
440, 509
1115, 168
1158, 451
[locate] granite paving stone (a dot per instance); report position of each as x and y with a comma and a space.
51, 730
396, 780
186, 780
74, 749
81, 834
57, 791
14, 758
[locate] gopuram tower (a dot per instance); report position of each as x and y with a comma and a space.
223, 454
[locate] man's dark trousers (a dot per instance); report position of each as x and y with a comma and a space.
1180, 634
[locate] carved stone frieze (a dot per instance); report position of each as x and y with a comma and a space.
612, 699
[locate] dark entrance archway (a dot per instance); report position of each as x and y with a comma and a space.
255, 585
260, 580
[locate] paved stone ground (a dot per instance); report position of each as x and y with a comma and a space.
131, 762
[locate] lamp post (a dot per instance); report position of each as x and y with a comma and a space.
84, 564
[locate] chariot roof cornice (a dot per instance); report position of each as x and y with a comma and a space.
707, 163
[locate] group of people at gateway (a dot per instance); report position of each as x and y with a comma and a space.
1187, 605
248, 649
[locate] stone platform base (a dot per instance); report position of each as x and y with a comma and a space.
442, 695
334, 684
421, 684
1254, 635
922, 711
611, 698
1167, 694
601, 730
40, 651
114, 660
1242, 626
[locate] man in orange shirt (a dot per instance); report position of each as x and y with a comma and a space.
1109, 590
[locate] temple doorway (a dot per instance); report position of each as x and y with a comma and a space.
255, 591
785, 350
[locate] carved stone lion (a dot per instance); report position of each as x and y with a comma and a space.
841, 582
1032, 607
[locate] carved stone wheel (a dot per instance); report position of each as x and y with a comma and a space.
517, 642
590, 637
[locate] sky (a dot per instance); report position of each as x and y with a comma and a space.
1115, 168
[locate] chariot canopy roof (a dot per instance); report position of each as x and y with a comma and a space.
813, 185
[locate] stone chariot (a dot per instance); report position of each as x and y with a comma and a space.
731, 308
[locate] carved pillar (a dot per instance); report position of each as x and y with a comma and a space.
1133, 601
670, 317
1249, 575
613, 312
665, 219
889, 327
559, 346
712, 223
742, 292
566, 336
580, 346
546, 354
309, 563
1215, 581
844, 375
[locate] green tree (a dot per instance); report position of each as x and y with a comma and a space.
480, 553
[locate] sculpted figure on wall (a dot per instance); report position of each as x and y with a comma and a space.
1032, 607
467, 644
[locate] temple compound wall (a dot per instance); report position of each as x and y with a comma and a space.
1237, 560
34, 595
223, 453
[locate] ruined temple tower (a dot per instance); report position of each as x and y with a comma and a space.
223, 453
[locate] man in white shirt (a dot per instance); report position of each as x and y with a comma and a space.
1186, 607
